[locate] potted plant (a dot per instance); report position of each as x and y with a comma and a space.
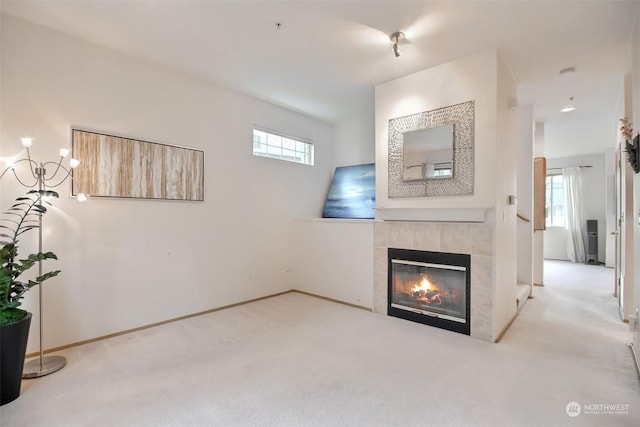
14, 322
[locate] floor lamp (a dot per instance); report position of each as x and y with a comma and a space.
39, 179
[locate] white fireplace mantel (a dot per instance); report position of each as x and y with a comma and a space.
434, 214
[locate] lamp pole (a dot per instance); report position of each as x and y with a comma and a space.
49, 364
44, 365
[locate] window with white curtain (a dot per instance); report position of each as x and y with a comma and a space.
572, 184
554, 205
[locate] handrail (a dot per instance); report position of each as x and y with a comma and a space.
523, 218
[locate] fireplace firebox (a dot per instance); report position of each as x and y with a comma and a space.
432, 288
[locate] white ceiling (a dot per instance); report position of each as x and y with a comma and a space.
326, 56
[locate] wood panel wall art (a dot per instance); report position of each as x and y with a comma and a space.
112, 166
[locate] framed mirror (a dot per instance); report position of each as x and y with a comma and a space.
431, 153
427, 153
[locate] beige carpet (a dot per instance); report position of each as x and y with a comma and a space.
296, 360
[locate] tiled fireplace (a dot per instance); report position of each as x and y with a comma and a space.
471, 241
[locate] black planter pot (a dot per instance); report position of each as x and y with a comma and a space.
13, 347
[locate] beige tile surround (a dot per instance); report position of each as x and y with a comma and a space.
465, 238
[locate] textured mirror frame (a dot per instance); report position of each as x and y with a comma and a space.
461, 116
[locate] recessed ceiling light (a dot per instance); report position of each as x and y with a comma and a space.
569, 106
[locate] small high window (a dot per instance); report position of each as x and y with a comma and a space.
279, 146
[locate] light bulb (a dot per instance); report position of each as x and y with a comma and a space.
82, 197
73, 163
64, 152
26, 142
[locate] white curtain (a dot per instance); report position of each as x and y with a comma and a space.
572, 183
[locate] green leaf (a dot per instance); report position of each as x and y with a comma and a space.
24, 215
47, 275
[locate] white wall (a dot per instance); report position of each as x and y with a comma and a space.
355, 139
525, 194
333, 258
128, 263
593, 133
505, 166
469, 78
610, 208
594, 203
635, 61
629, 259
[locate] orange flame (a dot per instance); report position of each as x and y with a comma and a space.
424, 285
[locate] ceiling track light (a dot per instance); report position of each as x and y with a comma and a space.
395, 38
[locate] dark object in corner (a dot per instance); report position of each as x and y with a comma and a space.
633, 153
